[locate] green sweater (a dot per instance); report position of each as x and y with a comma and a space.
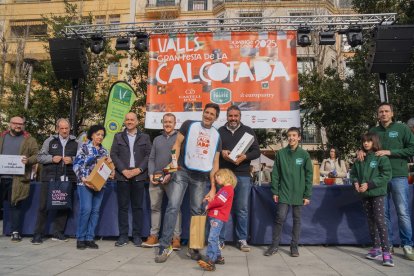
398, 139
374, 170
292, 176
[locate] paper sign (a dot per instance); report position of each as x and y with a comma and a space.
104, 171
11, 164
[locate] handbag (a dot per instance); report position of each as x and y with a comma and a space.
59, 194
198, 231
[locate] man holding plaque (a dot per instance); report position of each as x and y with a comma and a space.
239, 162
159, 158
129, 152
17, 142
56, 155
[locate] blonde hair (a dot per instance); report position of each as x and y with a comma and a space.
228, 176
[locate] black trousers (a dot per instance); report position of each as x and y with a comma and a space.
61, 217
15, 209
130, 192
374, 208
281, 214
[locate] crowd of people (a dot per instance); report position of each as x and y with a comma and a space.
199, 155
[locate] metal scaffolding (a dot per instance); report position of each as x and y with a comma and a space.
281, 23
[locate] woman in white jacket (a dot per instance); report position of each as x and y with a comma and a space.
333, 167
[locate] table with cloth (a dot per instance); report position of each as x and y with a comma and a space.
335, 216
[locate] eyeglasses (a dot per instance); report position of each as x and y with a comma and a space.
15, 123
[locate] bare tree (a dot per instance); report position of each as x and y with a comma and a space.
21, 45
4, 49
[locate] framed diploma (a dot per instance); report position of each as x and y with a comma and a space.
11, 164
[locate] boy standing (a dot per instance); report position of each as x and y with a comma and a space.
291, 185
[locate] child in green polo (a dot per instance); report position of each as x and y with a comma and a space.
291, 186
370, 178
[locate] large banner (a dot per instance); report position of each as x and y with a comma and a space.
121, 98
255, 70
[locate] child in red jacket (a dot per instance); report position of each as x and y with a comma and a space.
218, 213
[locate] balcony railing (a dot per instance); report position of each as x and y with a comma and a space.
163, 9
163, 3
219, 2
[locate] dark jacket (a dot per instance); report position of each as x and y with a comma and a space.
120, 154
374, 170
230, 140
52, 147
21, 183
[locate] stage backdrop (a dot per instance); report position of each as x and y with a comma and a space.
255, 70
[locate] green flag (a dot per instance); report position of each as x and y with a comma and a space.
121, 97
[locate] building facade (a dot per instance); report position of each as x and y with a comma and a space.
21, 26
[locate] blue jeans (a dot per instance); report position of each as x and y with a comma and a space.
196, 181
240, 208
213, 250
399, 191
89, 205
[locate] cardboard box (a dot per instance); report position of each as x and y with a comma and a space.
100, 173
242, 146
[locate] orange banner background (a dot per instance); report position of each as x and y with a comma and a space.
256, 71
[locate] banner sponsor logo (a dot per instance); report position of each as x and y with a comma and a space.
220, 95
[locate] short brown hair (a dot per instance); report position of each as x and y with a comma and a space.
168, 115
214, 106
374, 138
294, 129
387, 104
228, 176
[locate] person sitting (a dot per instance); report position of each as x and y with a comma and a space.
333, 167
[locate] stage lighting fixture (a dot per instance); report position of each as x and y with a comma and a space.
141, 42
354, 36
304, 38
122, 43
97, 43
327, 37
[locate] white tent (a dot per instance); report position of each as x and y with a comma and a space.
262, 159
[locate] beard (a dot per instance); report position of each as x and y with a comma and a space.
16, 133
232, 125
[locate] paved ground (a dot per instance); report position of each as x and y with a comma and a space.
62, 258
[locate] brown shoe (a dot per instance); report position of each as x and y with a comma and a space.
176, 244
152, 241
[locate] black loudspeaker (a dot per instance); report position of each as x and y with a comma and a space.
391, 49
68, 56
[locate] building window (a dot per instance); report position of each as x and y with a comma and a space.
305, 65
163, 3
301, 13
197, 5
28, 1
100, 19
113, 69
24, 28
114, 18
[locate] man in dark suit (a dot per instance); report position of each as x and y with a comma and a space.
129, 152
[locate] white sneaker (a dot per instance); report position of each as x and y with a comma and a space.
408, 252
